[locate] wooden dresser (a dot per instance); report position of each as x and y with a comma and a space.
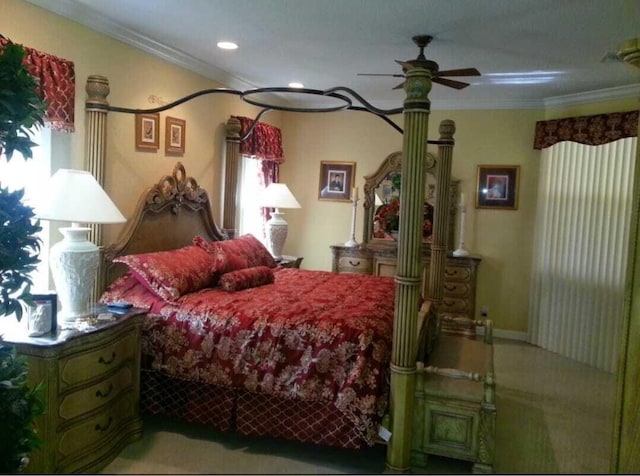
459, 282
91, 393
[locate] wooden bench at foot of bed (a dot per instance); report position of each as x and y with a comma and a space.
455, 411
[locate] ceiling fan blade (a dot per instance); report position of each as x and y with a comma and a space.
399, 86
382, 74
459, 72
450, 82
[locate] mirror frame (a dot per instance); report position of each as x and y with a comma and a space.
393, 163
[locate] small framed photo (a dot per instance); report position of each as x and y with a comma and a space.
147, 132
497, 187
42, 314
174, 130
336, 181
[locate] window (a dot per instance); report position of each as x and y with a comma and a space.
249, 212
32, 175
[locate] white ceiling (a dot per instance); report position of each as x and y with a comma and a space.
530, 52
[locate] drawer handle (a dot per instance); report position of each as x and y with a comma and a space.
108, 362
449, 288
449, 273
104, 428
105, 394
357, 263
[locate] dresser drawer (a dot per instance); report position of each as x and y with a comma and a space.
99, 427
457, 273
455, 305
457, 288
97, 361
352, 264
89, 398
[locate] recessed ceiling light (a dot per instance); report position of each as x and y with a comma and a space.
227, 45
296, 85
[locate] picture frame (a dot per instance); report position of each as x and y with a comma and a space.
497, 187
174, 135
42, 315
148, 132
337, 180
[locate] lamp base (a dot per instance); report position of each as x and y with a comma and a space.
276, 229
74, 265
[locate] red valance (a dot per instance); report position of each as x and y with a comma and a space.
57, 80
589, 130
265, 141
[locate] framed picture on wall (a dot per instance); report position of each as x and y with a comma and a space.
336, 181
147, 132
175, 130
497, 186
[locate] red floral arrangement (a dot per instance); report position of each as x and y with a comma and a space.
388, 215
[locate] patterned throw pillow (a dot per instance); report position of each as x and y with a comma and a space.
170, 274
245, 251
246, 278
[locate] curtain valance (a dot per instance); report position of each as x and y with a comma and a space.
590, 130
265, 141
57, 86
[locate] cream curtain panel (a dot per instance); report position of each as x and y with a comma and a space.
580, 250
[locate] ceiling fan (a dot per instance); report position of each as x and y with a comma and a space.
436, 76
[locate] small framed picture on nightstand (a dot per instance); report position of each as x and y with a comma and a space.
42, 315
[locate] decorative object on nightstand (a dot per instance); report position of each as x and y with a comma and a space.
277, 195
75, 196
352, 241
460, 251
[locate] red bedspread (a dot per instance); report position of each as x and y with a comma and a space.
312, 335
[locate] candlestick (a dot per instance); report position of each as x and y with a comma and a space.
463, 210
352, 241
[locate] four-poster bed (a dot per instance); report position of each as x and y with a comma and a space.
406, 324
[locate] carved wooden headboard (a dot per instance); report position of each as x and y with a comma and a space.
168, 215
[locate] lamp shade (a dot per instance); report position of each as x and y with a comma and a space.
278, 195
76, 196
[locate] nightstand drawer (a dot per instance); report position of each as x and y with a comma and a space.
352, 264
98, 427
101, 393
95, 362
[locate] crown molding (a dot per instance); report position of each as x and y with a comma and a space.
609, 94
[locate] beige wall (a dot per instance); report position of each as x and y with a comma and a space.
502, 238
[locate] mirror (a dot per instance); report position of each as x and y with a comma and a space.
382, 202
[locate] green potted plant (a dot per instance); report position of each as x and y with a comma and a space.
20, 110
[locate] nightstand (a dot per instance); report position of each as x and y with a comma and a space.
290, 261
91, 392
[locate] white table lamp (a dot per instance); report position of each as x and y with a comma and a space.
75, 196
277, 195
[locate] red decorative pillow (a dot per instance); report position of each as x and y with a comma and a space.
246, 251
170, 274
246, 278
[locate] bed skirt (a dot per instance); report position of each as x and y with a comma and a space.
247, 413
